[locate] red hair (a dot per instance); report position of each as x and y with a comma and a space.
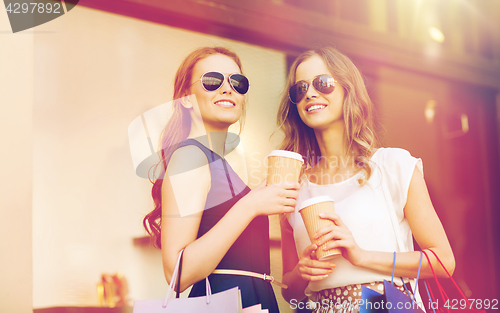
176, 130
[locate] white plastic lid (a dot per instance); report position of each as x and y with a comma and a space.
315, 200
286, 154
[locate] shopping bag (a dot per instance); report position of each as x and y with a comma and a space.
228, 301
443, 303
392, 301
255, 309
397, 301
371, 301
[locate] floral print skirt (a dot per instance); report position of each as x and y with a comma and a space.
346, 299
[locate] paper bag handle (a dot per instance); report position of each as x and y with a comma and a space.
404, 285
445, 296
176, 278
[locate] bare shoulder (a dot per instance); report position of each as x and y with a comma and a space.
185, 159
189, 180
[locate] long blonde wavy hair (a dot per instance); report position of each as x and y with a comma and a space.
359, 137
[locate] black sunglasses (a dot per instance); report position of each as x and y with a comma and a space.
211, 81
324, 84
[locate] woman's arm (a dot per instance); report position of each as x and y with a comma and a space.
203, 254
298, 273
426, 228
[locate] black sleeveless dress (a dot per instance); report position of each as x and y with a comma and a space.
250, 252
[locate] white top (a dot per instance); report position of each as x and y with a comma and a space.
286, 154
315, 200
365, 212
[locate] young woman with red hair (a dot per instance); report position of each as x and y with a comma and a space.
201, 204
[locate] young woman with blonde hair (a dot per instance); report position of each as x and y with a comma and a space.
381, 199
201, 204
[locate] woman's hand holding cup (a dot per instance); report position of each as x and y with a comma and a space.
274, 199
310, 268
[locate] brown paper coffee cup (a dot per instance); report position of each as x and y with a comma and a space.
309, 210
283, 166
